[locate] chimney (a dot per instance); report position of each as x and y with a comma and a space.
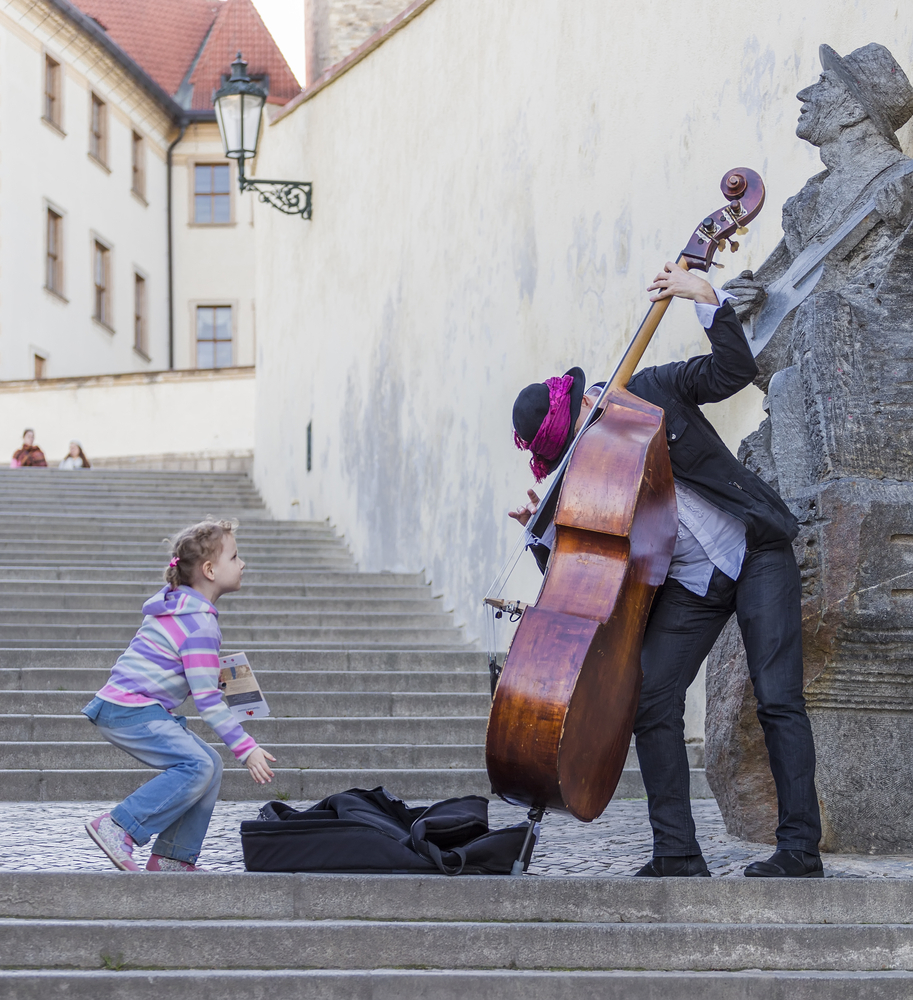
334, 28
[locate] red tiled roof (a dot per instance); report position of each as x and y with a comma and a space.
165, 37
238, 27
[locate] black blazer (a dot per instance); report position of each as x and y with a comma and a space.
700, 460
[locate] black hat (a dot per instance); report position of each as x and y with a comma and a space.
532, 405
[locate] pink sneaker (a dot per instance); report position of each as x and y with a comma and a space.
114, 841
158, 863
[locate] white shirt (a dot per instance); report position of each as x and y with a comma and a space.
707, 536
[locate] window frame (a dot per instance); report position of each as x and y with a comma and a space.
54, 120
138, 165
57, 286
98, 140
209, 161
140, 314
105, 316
232, 306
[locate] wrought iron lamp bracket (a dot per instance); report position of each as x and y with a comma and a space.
290, 197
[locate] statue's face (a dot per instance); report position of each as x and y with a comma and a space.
827, 109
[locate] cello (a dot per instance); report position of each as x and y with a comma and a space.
563, 704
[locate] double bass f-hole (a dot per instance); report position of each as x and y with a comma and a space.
563, 702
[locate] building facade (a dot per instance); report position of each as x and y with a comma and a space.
124, 244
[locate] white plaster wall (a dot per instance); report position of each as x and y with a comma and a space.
494, 187
214, 262
40, 166
163, 413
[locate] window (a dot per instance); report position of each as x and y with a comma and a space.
102, 284
139, 166
211, 197
39, 365
139, 314
98, 131
52, 91
213, 336
54, 274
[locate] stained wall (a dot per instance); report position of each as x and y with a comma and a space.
494, 187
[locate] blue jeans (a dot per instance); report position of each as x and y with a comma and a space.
681, 631
177, 804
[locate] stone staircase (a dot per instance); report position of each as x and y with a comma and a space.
370, 682
368, 679
110, 936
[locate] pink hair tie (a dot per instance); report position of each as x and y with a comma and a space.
175, 561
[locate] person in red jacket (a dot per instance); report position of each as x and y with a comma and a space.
29, 454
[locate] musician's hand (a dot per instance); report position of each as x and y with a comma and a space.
524, 513
750, 294
675, 280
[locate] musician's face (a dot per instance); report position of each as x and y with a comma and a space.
586, 404
827, 109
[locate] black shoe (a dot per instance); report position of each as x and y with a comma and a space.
693, 866
787, 864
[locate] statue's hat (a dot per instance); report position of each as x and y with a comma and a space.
872, 76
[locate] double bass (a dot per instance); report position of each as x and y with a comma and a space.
563, 703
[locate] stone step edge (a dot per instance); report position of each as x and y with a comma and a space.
402, 898
454, 984
364, 944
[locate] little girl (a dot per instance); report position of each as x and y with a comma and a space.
174, 653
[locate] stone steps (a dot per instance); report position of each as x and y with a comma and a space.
419, 681
461, 660
92, 755
420, 731
401, 936
285, 704
13, 602
253, 621
456, 984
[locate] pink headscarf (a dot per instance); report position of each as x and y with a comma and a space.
549, 441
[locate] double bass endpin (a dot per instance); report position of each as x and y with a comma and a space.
529, 841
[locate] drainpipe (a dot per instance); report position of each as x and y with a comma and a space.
171, 252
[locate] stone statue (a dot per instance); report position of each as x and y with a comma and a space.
838, 445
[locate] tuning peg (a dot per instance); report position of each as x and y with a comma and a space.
715, 264
721, 246
733, 245
742, 231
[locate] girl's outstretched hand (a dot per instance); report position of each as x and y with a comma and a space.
259, 769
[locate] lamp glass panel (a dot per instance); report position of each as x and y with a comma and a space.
228, 115
252, 109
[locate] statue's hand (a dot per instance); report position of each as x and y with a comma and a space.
894, 202
750, 294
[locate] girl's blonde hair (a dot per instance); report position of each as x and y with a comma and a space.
195, 545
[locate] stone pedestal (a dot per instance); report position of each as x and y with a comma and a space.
855, 550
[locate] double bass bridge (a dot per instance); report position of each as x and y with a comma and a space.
513, 609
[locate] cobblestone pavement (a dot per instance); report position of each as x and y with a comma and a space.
49, 836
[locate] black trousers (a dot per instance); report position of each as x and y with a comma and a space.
681, 630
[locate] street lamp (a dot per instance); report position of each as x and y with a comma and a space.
239, 108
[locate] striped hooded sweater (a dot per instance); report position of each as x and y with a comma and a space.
176, 653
